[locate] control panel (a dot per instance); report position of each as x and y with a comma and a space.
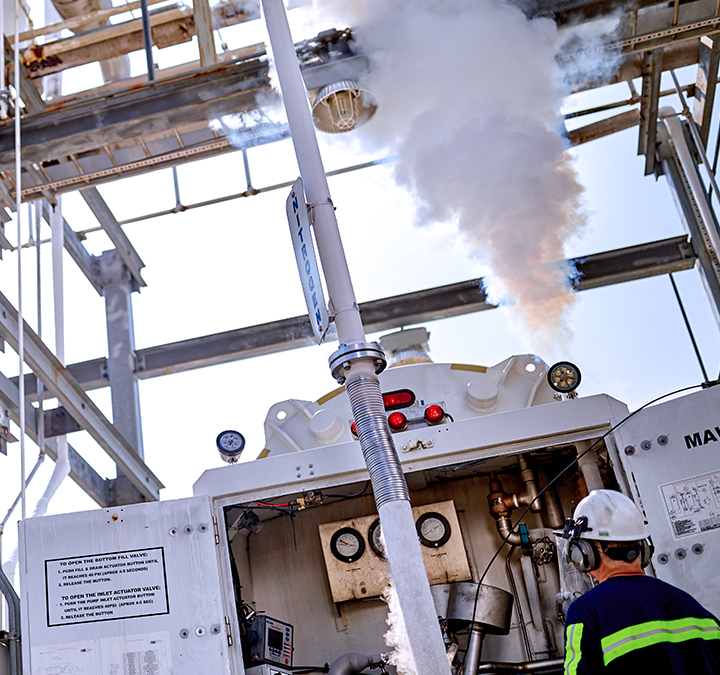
354, 551
274, 642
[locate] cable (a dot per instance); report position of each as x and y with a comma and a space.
565, 470
352, 496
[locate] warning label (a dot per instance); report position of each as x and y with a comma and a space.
104, 587
693, 504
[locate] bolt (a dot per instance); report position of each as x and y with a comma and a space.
646, 445
630, 450
312, 473
346, 365
662, 440
662, 558
697, 549
404, 448
173, 531
188, 529
680, 553
202, 527
297, 468
298, 475
215, 629
429, 444
184, 633
199, 631
310, 466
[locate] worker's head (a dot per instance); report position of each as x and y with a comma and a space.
607, 528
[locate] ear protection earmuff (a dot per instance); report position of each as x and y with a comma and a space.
584, 555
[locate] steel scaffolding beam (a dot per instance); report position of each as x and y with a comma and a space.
594, 271
61, 384
80, 471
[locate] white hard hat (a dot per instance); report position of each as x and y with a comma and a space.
611, 516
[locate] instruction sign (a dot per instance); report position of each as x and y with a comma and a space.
297, 213
693, 504
118, 585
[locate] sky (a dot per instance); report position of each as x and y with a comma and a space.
404, 228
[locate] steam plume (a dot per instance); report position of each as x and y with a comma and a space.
469, 99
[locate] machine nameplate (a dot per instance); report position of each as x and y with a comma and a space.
693, 504
118, 585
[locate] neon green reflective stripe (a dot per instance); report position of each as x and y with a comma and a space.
573, 653
655, 632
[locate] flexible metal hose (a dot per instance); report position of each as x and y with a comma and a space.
351, 664
376, 440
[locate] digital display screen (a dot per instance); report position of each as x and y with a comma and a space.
274, 639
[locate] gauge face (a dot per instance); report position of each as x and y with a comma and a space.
230, 443
375, 538
433, 529
347, 545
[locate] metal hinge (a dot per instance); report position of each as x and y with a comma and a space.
217, 532
229, 631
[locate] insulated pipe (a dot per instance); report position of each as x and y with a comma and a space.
351, 664
13, 602
358, 365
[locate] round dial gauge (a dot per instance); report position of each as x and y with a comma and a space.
375, 538
230, 444
433, 529
347, 545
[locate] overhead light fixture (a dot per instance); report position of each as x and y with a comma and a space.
342, 106
564, 377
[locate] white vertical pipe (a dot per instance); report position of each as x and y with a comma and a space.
18, 213
62, 463
58, 244
403, 550
332, 255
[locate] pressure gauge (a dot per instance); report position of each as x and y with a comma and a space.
375, 539
347, 545
433, 529
230, 444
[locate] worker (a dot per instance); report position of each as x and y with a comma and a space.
630, 623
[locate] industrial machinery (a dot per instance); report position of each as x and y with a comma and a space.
277, 565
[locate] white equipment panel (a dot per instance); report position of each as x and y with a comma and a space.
671, 455
367, 575
132, 590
